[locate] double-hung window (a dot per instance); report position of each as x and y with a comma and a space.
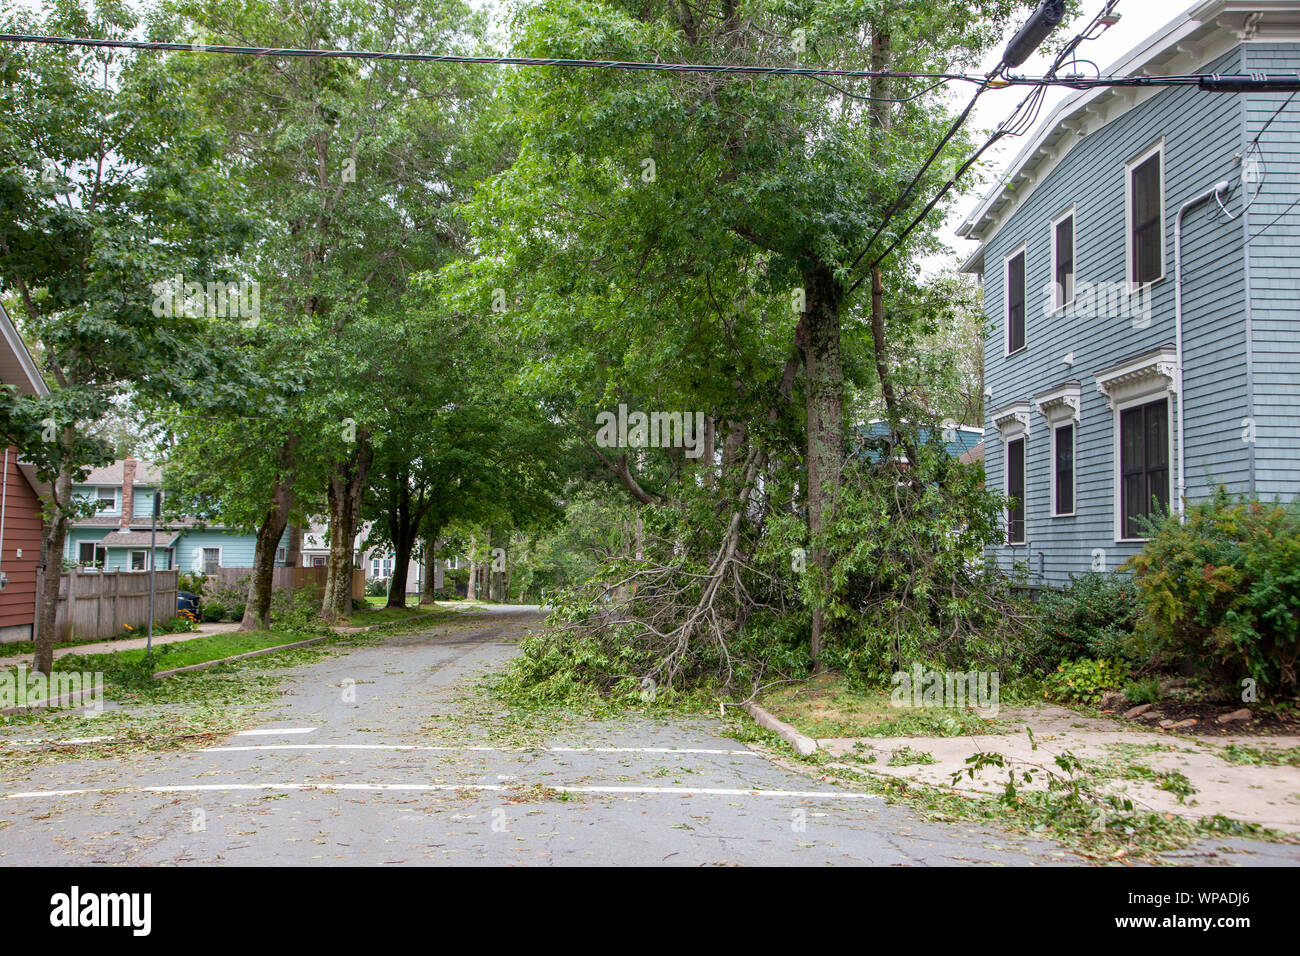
1146, 228
1063, 261
1016, 491
1063, 469
1015, 295
1144, 465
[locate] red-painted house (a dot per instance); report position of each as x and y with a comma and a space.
20, 506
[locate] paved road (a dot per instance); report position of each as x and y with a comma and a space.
387, 754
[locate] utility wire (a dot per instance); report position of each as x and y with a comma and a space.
1235, 82
1012, 126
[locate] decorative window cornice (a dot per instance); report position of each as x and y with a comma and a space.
1060, 403
1151, 373
1013, 420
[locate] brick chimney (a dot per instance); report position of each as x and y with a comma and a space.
128, 493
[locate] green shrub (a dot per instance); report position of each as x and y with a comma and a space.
908, 581
1143, 691
193, 583
298, 610
1085, 681
1223, 587
1095, 616
377, 587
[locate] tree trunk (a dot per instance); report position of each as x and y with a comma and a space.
54, 534
293, 556
347, 483
401, 570
257, 608
824, 377
471, 587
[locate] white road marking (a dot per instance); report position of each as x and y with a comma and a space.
450, 749
275, 731
440, 787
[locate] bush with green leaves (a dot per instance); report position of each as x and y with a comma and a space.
1223, 587
909, 583
1096, 615
297, 610
1085, 681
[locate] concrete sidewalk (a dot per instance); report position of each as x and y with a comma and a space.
1141, 761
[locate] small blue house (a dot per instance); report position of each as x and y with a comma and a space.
1141, 270
961, 441
117, 536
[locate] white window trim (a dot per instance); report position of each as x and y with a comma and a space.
131, 558
94, 546
1006, 489
1013, 424
1074, 456
1060, 307
1060, 407
1132, 164
1147, 378
1022, 249
220, 556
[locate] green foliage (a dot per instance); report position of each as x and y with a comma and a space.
1084, 681
298, 611
191, 583
908, 582
376, 587
1096, 615
1143, 691
1223, 588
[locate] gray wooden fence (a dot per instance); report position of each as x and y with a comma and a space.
100, 604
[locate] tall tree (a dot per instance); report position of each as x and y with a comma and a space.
666, 203
108, 189
352, 167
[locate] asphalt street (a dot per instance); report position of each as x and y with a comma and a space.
389, 754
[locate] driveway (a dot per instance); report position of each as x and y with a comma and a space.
391, 754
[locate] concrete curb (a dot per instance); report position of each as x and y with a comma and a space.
204, 665
805, 745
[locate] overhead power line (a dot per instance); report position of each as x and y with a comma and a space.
1235, 81
1040, 24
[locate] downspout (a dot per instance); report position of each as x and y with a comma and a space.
1219, 189
4, 501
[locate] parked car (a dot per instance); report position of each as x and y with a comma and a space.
185, 601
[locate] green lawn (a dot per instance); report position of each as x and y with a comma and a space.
376, 613
181, 653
